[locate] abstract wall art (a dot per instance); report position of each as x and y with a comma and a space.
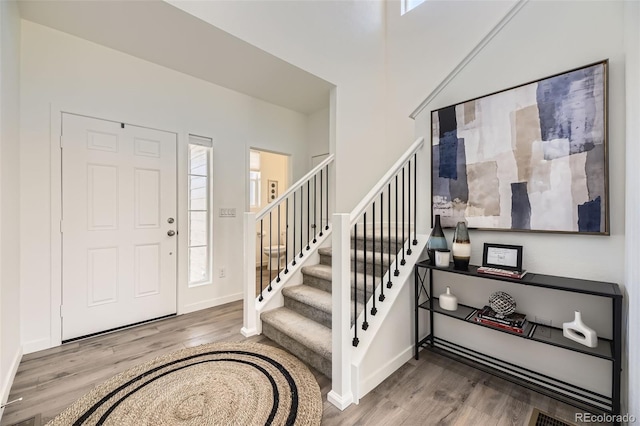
530, 158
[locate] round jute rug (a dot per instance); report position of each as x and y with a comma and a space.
214, 384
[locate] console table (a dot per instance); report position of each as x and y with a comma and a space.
607, 349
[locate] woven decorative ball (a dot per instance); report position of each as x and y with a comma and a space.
502, 303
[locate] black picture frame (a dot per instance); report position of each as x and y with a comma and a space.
502, 256
520, 133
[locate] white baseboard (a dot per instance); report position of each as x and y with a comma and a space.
210, 303
36, 345
340, 401
369, 383
8, 381
248, 332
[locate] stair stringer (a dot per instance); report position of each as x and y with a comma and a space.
274, 299
389, 341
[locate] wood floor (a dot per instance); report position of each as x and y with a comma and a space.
433, 390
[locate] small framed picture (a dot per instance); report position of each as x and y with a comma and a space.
273, 189
502, 256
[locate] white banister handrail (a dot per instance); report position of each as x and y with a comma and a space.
250, 315
341, 394
366, 201
262, 213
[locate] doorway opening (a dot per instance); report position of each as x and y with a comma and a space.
269, 177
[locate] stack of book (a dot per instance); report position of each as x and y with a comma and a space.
513, 322
502, 272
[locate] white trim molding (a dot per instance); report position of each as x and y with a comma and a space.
8, 381
210, 303
37, 345
55, 331
467, 59
371, 381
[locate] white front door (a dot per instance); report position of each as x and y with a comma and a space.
118, 228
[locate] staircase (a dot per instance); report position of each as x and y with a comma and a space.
315, 307
303, 324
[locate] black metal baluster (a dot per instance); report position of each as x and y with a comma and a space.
321, 202
403, 261
270, 257
381, 298
396, 272
278, 242
389, 283
315, 210
327, 204
365, 324
373, 261
286, 239
261, 248
415, 197
308, 214
294, 229
301, 218
414, 225
355, 288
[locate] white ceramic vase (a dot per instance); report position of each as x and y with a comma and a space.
578, 331
448, 301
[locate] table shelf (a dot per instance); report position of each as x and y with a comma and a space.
607, 349
595, 288
533, 331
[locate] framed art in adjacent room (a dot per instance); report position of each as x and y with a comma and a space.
273, 189
529, 158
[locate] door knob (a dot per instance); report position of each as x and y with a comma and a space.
171, 233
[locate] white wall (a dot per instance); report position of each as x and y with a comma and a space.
10, 348
318, 134
339, 41
508, 61
82, 77
423, 46
545, 38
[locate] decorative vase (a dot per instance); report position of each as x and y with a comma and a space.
436, 240
461, 248
579, 332
448, 301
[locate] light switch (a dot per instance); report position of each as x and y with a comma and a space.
228, 212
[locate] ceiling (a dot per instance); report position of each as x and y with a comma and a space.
163, 34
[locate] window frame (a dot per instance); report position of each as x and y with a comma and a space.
254, 202
408, 5
207, 143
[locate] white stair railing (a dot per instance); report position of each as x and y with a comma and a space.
286, 231
383, 222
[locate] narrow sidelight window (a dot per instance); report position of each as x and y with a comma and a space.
200, 208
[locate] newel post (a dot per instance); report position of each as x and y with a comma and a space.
341, 394
250, 319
